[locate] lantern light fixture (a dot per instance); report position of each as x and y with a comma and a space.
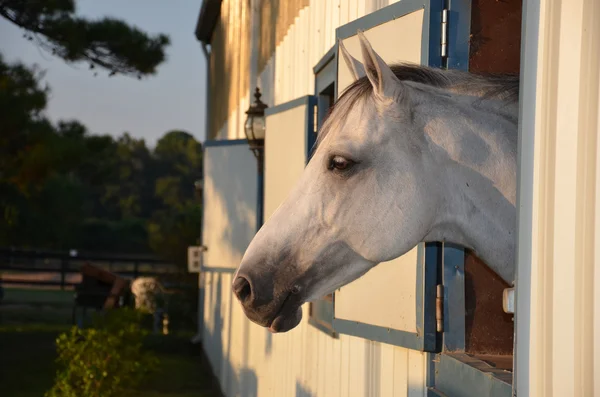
255, 125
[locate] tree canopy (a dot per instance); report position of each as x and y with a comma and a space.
108, 43
63, 187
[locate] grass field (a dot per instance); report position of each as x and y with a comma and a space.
30, 321
35, 296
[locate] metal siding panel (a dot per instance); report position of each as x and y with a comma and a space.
322, 26
416, 373
283, 79
334, 370
289, 64
320, 367
335, 22
344, 12
293, 54
229, 48
334, 16
400, 372
357, 374
558, 217
386, 375
328, 28
304, 87
309, 82
559, 147
361, 9
274, 374
314, 31
331, 360
277, 72
353, 10
345, 364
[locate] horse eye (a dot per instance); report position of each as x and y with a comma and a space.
339, 163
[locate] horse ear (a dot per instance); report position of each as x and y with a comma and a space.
356, 68
384, 81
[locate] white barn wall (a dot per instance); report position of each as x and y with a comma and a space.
558, 277
249, 361
288, 74
246, 358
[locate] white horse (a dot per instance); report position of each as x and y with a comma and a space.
407, 154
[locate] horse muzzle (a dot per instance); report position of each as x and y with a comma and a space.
279, 311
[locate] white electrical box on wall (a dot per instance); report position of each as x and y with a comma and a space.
195, 258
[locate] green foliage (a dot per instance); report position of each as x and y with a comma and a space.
103, 361
175, 226
108, 43
123, 235
171, 231
64, 188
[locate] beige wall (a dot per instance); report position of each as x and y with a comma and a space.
285, 155
558, 284
230, 194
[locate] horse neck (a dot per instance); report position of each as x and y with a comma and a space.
474, 147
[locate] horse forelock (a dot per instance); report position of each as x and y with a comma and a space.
484, 86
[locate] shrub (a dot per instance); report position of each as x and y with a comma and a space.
105, 360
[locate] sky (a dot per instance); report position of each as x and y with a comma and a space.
174, 98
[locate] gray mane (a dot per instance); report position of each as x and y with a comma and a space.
484, 86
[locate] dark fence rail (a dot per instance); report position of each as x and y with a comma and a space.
61, 268
82, 256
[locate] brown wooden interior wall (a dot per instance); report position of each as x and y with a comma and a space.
488, 329
495, 45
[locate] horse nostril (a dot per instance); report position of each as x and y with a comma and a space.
242, 288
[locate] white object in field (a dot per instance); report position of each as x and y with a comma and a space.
146, 291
